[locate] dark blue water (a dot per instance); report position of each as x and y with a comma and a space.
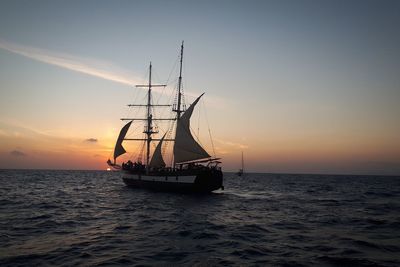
89, 218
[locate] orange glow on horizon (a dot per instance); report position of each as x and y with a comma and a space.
26, 148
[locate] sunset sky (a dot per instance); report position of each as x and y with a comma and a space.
298, 86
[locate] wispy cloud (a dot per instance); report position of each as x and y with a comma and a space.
90, 67
96, 68
91, 140
231, 144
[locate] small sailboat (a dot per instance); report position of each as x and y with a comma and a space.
192, 168
241, 171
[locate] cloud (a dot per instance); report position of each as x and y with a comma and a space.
17, 153
90, 67
91, 140
96, 68
232, 144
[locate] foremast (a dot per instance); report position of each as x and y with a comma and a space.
148, 129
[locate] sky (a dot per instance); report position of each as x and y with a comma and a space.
298, 86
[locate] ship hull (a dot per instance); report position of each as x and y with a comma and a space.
186, 182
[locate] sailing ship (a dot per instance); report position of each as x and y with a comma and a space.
241, 171
192, 168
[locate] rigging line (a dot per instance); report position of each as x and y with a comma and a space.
198, 121
212, 143
134, 129
169, 77
137, 91
141, 152
196, 135
163, 89
138, 110
136, 94
154, 111
154, 145
170, 128
166, 109
171, 96
132, 155
142, 109
129, 108
208, 125
167, 82
174, 68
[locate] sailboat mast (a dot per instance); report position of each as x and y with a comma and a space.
178, 109
149, 129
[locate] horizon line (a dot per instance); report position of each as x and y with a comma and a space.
252, 172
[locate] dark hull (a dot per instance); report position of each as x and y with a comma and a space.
203, 181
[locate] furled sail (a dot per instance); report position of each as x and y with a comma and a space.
185, 147
157, 160
119, 149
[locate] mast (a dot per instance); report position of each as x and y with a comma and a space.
178, 107
148, 129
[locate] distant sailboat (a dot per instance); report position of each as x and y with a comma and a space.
193, 169
241, 171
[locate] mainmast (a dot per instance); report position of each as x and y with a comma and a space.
177, 108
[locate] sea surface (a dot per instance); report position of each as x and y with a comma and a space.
90, 218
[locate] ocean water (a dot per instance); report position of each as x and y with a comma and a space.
90, 218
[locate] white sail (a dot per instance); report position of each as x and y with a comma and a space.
119, 149
157, 160
185, 147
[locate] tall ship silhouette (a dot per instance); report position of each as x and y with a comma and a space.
191, 169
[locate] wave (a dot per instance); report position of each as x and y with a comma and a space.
90, 218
